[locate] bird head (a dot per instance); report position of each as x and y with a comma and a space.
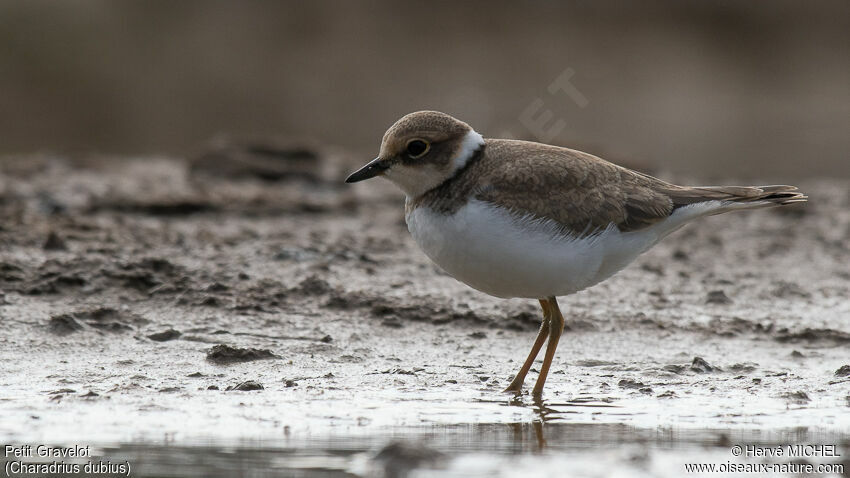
420, 151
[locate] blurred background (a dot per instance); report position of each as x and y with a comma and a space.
709, 88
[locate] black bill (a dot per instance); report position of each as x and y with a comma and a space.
376, 167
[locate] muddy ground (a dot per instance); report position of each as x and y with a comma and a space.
247, 295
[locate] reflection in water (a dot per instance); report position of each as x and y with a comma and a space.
548, 411
548, 443
551, 444
538, 431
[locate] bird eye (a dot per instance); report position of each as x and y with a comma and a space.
416, 148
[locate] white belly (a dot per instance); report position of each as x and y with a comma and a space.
489, 249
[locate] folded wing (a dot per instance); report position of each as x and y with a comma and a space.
584, 194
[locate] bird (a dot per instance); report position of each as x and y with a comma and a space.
521, 219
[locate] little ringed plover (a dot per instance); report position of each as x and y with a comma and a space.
522, 219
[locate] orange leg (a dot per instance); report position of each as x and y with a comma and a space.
556, 327
516, 384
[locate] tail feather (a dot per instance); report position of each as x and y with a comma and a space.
739, 197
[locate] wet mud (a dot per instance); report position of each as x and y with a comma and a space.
247, 293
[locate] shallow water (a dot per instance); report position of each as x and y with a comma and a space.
511, 449
584, 436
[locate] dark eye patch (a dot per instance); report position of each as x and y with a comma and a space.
416, 148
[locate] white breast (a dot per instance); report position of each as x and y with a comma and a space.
491, 250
